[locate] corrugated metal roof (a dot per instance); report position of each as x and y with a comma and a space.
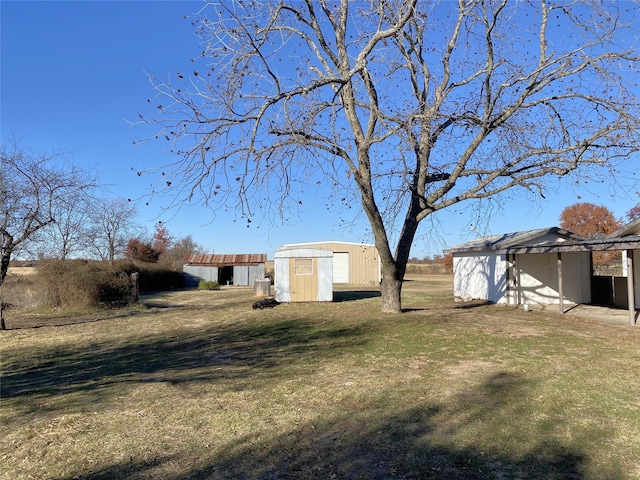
506, 240
223, 260
592, 245
630, 229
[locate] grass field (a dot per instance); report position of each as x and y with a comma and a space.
198, 385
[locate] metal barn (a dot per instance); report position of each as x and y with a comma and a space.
354, 263
232, 269
303, 275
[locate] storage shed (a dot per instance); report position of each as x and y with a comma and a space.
355, 263
303, 275
483, 270
545, 266
231, 269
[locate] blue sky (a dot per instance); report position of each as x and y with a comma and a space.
73, 74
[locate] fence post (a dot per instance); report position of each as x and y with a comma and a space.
135, 276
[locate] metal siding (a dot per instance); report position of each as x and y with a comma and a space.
287, 287
364, 263
576, 274
480, 277
538, 278
325, 279
256, 272
340, 267
281, 282
200, 272
240, 275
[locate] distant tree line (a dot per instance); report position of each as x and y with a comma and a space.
438, 264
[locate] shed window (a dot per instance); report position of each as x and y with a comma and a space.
303, 266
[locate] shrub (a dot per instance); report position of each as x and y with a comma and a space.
208, 285
80, 284
84, 284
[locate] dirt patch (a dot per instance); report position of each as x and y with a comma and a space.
469, 369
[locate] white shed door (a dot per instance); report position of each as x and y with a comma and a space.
341, 267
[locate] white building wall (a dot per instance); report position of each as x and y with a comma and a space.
282, 282
325, 279
537, 278
480, 276
576, 274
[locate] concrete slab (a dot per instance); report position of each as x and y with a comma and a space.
594, 312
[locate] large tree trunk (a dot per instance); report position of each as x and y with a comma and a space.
391, 290
394, 268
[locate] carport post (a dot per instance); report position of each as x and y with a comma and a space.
630, 289
560, 290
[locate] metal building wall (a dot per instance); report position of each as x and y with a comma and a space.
194, 273
364, 261
245, 275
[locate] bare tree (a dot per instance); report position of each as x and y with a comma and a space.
70, 234
175, 254
410, 107
32, 187
114, 224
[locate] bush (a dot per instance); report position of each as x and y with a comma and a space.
83, 284
208, 285
79, 284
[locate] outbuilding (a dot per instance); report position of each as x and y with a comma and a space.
303, 274
549, 266
354, 263
231, 269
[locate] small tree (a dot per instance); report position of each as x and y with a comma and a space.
591, 221
174, 256
32, 190
634, 213
142, 251
162, 239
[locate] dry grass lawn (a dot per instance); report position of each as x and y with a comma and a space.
198, 385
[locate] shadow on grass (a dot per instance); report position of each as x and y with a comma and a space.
351, 295
241, 355
473, 304
468, 438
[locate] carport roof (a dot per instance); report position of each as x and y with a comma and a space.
224, 260
542, 241
508, 240
593, 245
630, 229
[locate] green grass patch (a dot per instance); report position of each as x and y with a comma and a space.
194, 386
208, 285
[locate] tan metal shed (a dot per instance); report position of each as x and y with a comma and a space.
303, 275
354, 263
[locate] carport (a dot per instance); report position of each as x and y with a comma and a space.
630, 246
